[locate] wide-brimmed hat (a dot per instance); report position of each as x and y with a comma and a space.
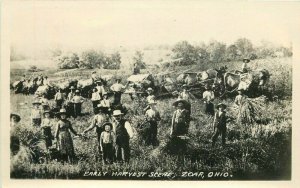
221, 105
95, 90
72, 87
117, 113
62, 111
184, 102
77, 91
104, 93
99, 81
149, 89
18, 118
47, 112
246, 60
240, 89
36, 102
184, 86
107, 123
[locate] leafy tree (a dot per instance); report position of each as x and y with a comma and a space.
139, 59
231, 53
92, 59
216, 51
245, 47
69, 61
187, 52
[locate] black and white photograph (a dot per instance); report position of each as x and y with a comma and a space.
150, 90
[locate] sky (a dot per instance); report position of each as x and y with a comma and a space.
111, 24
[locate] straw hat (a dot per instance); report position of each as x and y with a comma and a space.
246, 60
72, 87
117, 113
221, 105
184, 102
36, 102
104, 93
149, 89
18, 118
62, 111
100, 107
77, 91
107, 123
47, 112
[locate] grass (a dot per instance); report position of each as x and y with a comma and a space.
258, 151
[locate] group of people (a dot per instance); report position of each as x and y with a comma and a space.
113, 131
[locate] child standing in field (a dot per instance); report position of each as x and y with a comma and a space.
208, 97
107, 143
36, 114
46, 125
95, 100
105, 103
240, 97
219, 123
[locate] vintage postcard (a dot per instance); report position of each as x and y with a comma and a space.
141, 91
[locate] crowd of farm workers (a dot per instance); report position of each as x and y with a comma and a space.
113, 130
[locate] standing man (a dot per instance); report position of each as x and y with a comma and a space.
59, 98
97, 122
180, 119
239, 99
153, 117
117, 89
100, 88
95, 99
70, 105
123, 132
219, 123
77, 101
208, 97
244, 65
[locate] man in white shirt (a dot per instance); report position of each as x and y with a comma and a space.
95, 99
208, 97
240, 97
152, 116
123, 132
117, 88
100, 88
97, 122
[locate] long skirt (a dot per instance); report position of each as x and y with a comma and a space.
77, 109
65, 144
47, 136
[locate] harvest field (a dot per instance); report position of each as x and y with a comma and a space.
253, 152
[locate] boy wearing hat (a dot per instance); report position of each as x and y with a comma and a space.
152, 116
95, 99
240, 97
36, 114
105, 103
208, 97
219, 123
180, 119
107, 143
117, 89
46, 125
244, 65
97, 122
59, 98
150, 97
77, 100
124, 132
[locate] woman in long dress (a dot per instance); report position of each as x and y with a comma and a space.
64, 139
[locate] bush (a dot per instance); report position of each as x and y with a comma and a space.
187, 52
113, 61
92, 59
68, 61
138, 59
216, 51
